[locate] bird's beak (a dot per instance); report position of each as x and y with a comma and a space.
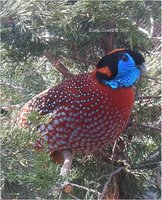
142, 67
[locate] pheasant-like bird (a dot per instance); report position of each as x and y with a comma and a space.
89, 110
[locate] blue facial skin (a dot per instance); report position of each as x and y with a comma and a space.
128, 73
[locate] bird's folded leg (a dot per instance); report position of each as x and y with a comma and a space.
68, 158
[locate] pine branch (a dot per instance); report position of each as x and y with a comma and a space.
85, 61
87, 189
15, 87
68, 188
12, 8
58, 64
151, 162
112, 175
151, 78
149, 127
148, 97
144, 126
150, 165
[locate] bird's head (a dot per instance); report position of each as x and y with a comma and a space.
120, 68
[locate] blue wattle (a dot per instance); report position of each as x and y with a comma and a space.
128, 73
124, 80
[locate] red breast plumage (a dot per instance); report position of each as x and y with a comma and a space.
85, 114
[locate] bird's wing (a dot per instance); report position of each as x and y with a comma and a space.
51, 100
60, 103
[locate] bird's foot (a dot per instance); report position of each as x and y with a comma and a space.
64, 172
68, 158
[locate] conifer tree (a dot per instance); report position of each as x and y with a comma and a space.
45, 42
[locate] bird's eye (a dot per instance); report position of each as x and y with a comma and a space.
123, 57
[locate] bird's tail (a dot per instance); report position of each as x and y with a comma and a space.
22, 118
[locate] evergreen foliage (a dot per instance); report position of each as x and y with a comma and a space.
77, 34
